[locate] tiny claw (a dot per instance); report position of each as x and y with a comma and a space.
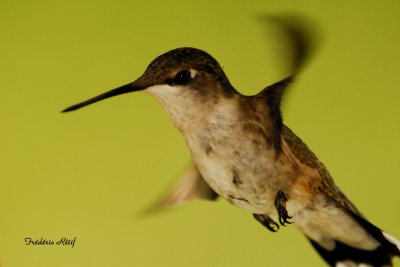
280, 205
272, 226
267, 222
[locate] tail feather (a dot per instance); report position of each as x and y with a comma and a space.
345, 255
392, 240
350, 256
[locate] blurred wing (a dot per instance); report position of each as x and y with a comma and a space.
190, 186
297, 39
298, 42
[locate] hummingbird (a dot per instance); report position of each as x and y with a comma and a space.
244, 153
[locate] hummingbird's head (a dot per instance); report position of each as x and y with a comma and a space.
181, 74
182, 66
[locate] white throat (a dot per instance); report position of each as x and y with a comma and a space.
189, 109
180, 103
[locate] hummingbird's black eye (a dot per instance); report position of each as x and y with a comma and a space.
182, 77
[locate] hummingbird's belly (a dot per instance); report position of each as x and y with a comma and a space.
246, 176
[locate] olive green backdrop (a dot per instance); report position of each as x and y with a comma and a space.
91, 174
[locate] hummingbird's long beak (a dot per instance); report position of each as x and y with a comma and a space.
131, 87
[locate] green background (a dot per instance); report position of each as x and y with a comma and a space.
91, 174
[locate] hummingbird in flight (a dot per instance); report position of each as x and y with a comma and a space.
243, 152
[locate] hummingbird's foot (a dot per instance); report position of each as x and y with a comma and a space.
280, 205
267, 222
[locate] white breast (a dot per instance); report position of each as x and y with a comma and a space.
221, 150
216, 141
